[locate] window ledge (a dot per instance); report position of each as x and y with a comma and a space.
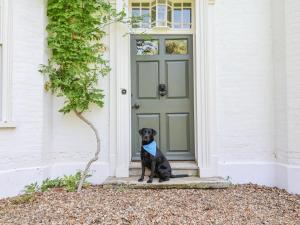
8, 124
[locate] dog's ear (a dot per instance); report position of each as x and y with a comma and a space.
141, 131
154, 132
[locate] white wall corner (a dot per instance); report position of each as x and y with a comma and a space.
294, 179
288, 177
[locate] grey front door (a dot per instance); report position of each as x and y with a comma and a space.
162, 93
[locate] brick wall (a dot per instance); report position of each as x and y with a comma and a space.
244, 74
280, 85
21, 147
293, 79
257, 97
258, 81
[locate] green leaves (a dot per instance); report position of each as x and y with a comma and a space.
75, 32
70, 183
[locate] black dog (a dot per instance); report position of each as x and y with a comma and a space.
158, 164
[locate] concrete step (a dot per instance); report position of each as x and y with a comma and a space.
175, 183
178, 167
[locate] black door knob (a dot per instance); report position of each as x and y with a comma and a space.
162, 88
135, 106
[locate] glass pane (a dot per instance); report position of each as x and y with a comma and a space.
161, 1
161, 15
186, 26
176, 47
186, 14
177, 25
135, 13
145, 4
146, 18
147, 47
177, 5
145, 25
177, 15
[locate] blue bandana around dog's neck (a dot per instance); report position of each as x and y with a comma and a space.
150, 148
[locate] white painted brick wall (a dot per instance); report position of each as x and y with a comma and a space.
245, 120
257, 91
66, 138
72, 140
258, 81
21, 147
286, 57
45, 142
293, 79
279, 65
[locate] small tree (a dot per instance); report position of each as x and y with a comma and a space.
75, 32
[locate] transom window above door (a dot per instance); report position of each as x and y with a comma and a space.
162, 14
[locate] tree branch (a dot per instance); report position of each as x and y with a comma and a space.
96, 156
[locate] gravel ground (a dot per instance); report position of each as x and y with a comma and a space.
242, 204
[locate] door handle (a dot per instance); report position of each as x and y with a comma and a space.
135, 106
162, 88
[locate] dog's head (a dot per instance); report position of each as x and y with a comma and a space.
147, 134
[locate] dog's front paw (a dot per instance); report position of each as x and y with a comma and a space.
149, 181
141, 179
162, 180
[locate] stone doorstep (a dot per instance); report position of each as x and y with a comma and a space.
178, 167
173, 183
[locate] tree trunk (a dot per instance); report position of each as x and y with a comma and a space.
96, 156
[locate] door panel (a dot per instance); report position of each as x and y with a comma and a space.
177, 79
148, 79
165, 62
178, 132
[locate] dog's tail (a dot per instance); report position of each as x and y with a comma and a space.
179, 175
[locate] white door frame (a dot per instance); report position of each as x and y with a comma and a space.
204, 89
